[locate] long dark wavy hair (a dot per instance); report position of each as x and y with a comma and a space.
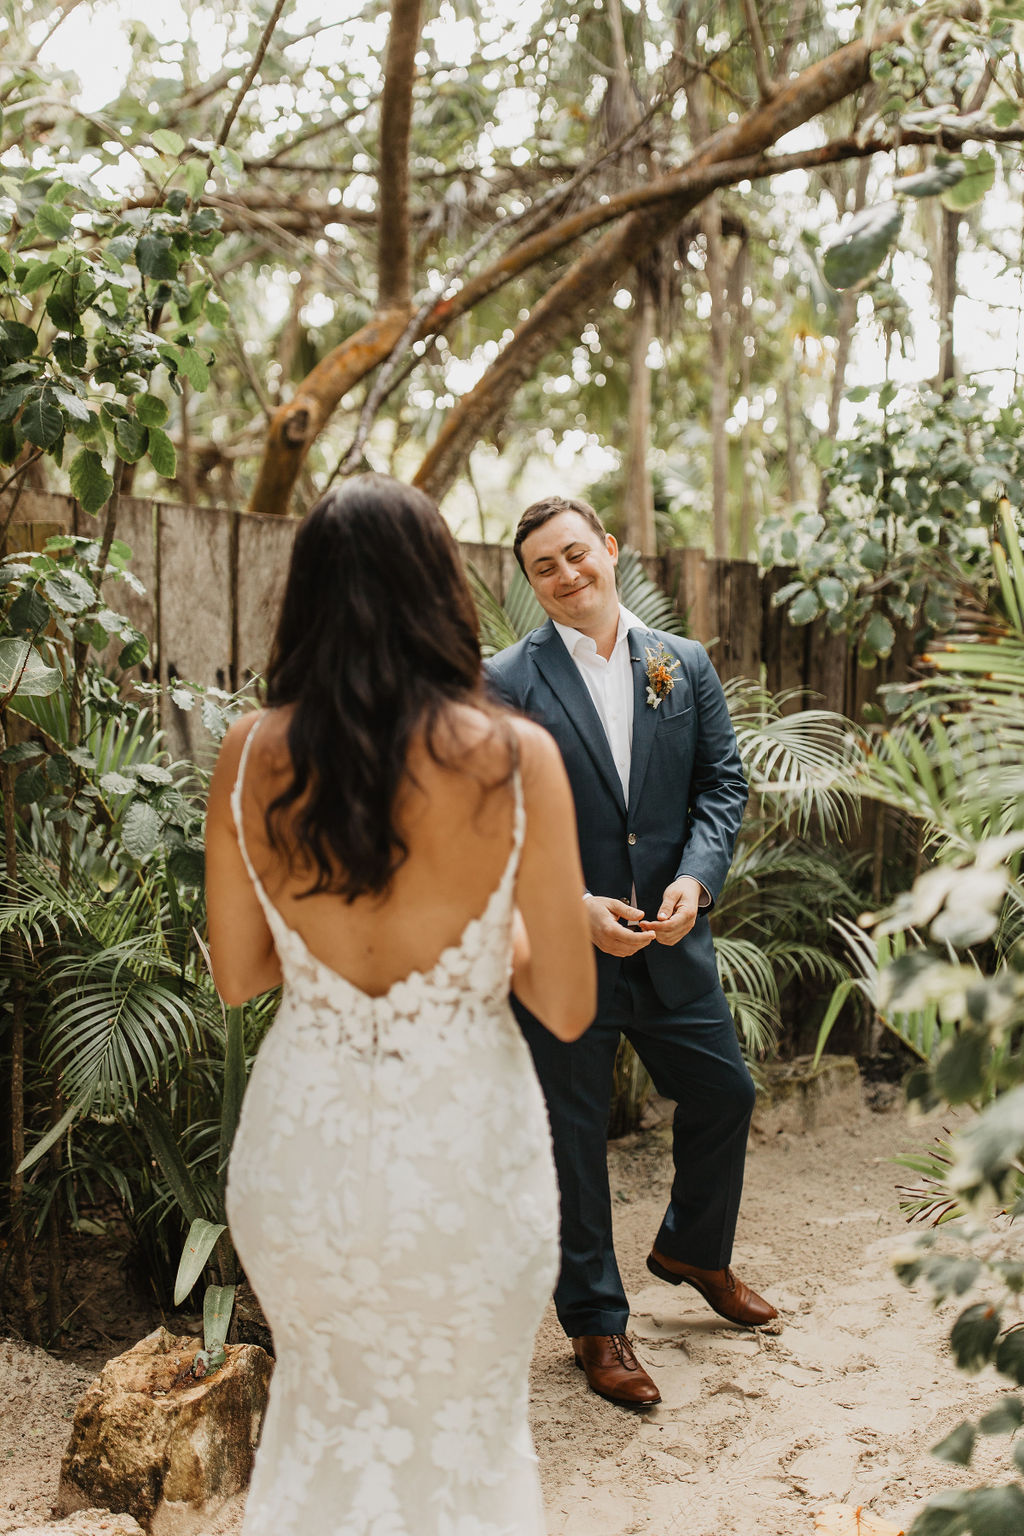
377, 638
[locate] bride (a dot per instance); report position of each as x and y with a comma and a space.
396, 852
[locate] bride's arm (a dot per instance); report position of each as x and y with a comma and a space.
553, 973
242, 951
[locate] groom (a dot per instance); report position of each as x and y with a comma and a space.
643, 727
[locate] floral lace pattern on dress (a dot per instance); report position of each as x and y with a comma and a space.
392, 1197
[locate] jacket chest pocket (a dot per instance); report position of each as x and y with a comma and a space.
681, 720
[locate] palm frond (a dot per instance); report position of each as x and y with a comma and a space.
800, 764
643, 597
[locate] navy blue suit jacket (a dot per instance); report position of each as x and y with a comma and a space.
687, 789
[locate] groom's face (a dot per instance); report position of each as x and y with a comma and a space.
571, 567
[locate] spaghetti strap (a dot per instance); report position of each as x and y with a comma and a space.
236, 813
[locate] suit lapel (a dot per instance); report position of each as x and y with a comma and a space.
645, 719
562, 676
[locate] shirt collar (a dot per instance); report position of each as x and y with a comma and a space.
573, 638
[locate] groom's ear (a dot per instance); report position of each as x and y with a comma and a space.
612, 546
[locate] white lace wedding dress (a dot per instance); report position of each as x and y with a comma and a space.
392, 1198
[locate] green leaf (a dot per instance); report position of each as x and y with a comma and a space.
30, 786
805, 607
134, 652
161, 453
151, 410
131, 439
199, 1244
69, 591
995, 1511
1004, 1418
29, 613
863, 244
879, 635
162, 1142
958, 1446
927, 183
22, 670
193, 367
116, 784
90, 483
961, 1070
167, 141
832, 593
42, 420
71, 404
974, 1335
22, 752
217, 1306
53, 1135
195, 177
52, 221
1010, 1355
979, 177
140, 831
17, 341
1006, 113
154, 257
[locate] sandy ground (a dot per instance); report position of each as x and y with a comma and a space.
755, 1432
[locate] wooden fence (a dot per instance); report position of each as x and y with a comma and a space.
214, 577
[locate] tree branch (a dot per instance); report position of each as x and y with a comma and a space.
250, 74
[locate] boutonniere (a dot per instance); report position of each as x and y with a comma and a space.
660, 667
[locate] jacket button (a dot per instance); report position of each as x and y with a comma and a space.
631, 839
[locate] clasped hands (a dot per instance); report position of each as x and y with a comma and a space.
676, 916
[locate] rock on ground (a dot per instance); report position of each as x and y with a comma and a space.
151, 1441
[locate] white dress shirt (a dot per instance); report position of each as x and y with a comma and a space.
610, 685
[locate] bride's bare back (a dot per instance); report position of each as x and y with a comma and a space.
457, 824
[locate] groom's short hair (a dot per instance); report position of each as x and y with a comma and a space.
542, 511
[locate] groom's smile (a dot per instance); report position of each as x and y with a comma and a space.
572, 571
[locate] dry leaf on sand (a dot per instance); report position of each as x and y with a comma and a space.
853, 1520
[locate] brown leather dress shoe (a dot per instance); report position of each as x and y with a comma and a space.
613, 1370
722, 1291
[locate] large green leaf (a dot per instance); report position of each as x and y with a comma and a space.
160, 1135
862, 245
199, 1244
978, 178
23, 670
90, 483
934, 180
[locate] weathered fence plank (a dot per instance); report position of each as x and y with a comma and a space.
194, 612
263, 553
214, 579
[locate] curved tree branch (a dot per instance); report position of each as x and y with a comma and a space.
564, 307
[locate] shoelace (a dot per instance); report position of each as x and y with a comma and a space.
627, 1359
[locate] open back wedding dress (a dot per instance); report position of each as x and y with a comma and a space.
392, 1198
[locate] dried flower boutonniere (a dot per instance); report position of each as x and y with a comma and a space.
660, 667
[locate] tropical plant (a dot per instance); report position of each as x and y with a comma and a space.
948, 955
908, 520
107, 1004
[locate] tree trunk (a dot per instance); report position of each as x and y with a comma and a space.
847, 319
393, 263
718, 366
945, 292
639, 529
16, 1002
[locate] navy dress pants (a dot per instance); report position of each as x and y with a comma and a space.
693, 1057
